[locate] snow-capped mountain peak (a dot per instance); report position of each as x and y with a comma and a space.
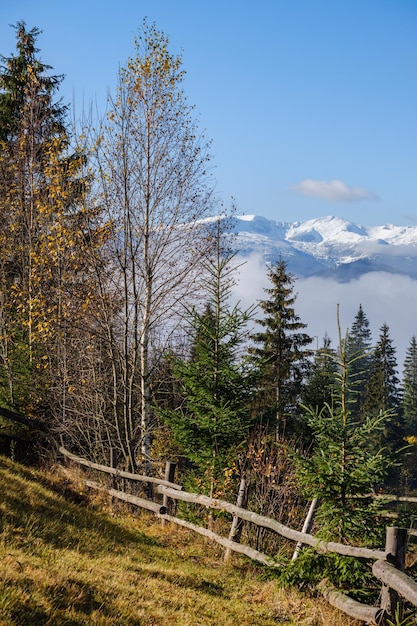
329, 246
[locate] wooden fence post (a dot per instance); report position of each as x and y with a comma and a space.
395, 547
308, 523
170, 468
237, 522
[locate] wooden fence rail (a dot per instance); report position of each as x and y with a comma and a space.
388, 562
129, 498
397, 580
116, 472
271, 524
363, 612
226, 543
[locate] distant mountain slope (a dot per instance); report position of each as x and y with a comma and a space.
329, 246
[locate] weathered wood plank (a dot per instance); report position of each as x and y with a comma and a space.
308, 522
357, 610
393, 578
127, 497
170, 468
266, 522
236, 527
231, 545
117, 472
393, 498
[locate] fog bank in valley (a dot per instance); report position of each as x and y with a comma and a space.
385, 298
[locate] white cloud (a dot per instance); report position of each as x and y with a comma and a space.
251, 281
333, 190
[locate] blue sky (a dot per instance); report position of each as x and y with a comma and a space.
310, 104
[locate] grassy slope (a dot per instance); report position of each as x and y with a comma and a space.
65, 562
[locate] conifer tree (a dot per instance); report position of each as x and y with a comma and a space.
383, 386
26, 86
359, 356
344, 462
212, 418
409, 412
383, 391
409, 389
40, 187
321, 379
280, 352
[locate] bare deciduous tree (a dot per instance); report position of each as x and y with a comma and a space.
152, 181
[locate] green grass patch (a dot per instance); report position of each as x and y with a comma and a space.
68, 561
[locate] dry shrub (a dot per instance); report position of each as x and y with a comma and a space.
273, 491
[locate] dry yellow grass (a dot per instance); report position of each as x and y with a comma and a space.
66, 562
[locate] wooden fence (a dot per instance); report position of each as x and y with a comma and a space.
388, 567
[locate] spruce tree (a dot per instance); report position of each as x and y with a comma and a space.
383, 391
41, 237
321, 379
281, 352
26, 86
212, 418
359, 356
409, 412
344, 463
28, 125
409, 389
383, 386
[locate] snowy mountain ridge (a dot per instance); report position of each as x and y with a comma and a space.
329, 246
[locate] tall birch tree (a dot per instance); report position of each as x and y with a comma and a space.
152, 181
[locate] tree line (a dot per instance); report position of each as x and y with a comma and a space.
117, 324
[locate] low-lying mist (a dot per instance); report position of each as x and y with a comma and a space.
385, 298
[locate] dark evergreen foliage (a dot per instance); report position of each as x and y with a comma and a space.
321, 380
41, 185
25, 80
409, 389
212, 416
383, 393
281, 353
408, 474
383, 396
344, 464
359, 356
